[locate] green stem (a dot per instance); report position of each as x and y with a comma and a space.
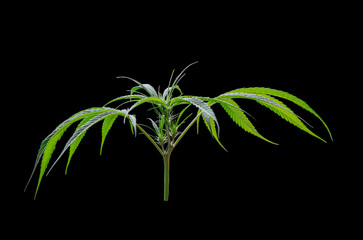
166, 177
186, 129
151, 140
166, 158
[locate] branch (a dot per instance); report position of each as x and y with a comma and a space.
186, 129
151, 140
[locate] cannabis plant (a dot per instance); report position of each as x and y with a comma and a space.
169, 127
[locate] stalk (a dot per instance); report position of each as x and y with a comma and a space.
166, 155
166, 177
150, 138
166, 158
187, 128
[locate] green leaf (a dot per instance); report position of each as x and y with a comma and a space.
198, 120
240, 118
48, 144
133, 124
275, 105
167, 92
106, 126
251, 96
181, 74
84, 128
153, 100
134, 89
155, 126
204, 107
288, 115
48, 151
75, 144
147, 87
43, 144
284, 95
125, 97
161, 125
181, 114
212, 129
150, 89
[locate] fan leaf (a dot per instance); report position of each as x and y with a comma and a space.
204, 107
133, 124
126, 97
287, 114
75, 144
284, 95
209, 122
106, 126
169, 90
82, 129
101, 113
240, 118
147, 87
251, 96
48, 144
153, 100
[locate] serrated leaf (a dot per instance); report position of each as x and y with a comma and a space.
103, 112
284, 95
48, 151
125, 97
83, 128
147, 87
153, 100
240, 118
150, 89
169, 90
75, 144
48, 144
209, 122
204, 107
133, 123
287, 114
251, 96
181, 114
106, 126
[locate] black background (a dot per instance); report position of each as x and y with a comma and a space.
66, 58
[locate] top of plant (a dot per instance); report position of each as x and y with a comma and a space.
166, 131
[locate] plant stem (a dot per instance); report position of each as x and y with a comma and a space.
166, 177
187, 128
166, 159
150, 138
166, 156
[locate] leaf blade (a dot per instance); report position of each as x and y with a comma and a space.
287, 96
287, 114
44, 145
204, 107
147, 100
210, 124
83, 128
240, 118
125, 97
75, 144
106, 126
